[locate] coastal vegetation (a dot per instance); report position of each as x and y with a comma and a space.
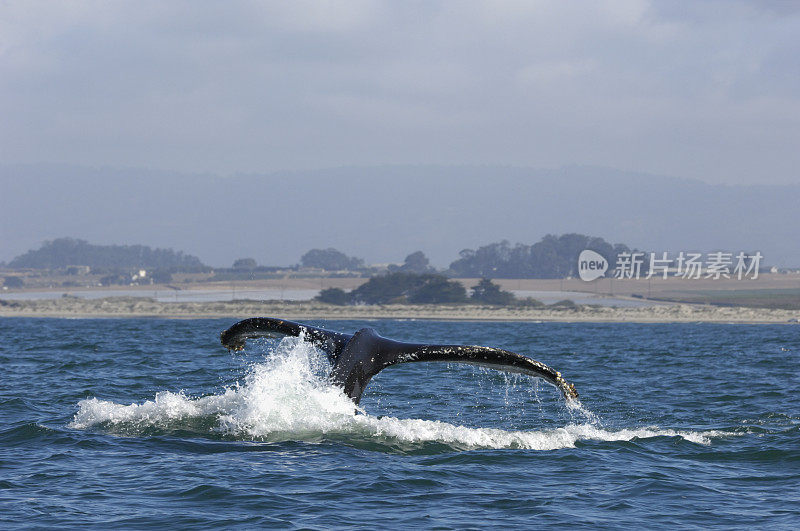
68, 263
330, 260
399, 288
245, 264
62, 253
552, 257
487, 292
336, 296
416, 262
416, 288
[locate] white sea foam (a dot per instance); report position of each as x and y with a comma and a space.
284, 398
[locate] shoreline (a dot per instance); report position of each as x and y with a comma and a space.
139, 307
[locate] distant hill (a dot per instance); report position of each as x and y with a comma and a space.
64, 252
381, 214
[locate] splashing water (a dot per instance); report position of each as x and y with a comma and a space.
286, 397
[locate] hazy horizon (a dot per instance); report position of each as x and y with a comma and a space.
381, 214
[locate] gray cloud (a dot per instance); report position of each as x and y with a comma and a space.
707, 90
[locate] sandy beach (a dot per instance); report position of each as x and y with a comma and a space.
121, 307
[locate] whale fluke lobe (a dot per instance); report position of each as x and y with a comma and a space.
234, 337
357, 358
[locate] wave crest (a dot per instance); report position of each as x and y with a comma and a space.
286, 397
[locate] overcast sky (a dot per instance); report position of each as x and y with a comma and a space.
706, 90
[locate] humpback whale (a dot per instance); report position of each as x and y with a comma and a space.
356, 358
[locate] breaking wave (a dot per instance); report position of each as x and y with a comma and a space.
286, 398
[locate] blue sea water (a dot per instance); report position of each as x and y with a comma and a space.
144, 423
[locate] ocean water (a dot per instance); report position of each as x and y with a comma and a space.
146, 423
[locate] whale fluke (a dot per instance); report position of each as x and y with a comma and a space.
234, 337
358, 357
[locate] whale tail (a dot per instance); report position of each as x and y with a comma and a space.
234, 337
357, 358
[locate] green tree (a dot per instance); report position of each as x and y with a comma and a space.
439, 290
64, 252
416, 262
334, 296
330, 260
393, 287
247, 264
551, 257
408, 287
487, 292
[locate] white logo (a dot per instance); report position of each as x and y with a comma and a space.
591, 265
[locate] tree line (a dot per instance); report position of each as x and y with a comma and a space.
64, 252
416, 288
552, 257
